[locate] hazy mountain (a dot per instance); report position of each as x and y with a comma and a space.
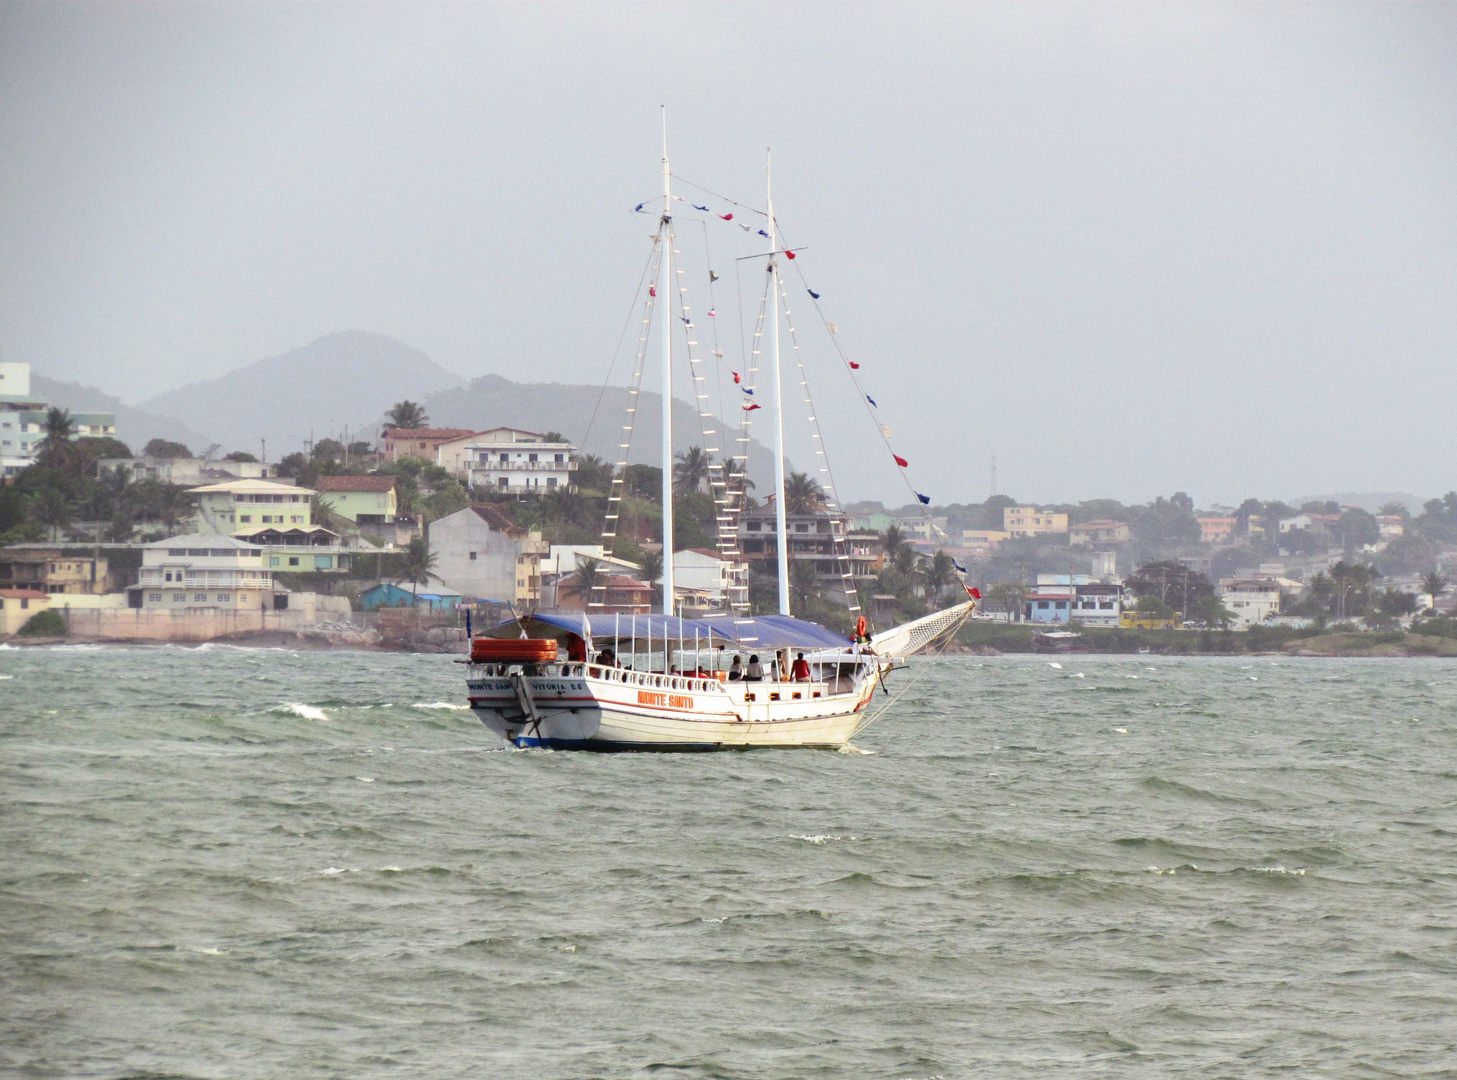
494, 401
349, 378
135, 427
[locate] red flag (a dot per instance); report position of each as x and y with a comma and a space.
902, 462
751, 408
726, 217
788, 254
852, 364
652, 290
975, 594
736, 376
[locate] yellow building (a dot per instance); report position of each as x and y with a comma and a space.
241, 506
1142, 620
364, 500
1030, 521
18, 605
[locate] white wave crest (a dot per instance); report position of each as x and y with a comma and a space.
438, 705
296, 708
823, 839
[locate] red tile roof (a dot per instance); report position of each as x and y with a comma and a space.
355, 483
498, 521
22, 594
427, 433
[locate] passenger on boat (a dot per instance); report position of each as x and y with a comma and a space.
607, 658
800, 671
756, 670
736, 669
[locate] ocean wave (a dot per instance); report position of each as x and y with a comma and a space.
440, 705
297, 708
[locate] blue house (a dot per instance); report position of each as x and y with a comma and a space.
386, 594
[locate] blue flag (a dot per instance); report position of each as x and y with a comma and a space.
871, 400
925, 499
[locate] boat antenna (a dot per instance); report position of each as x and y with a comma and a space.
780, 519
664, 284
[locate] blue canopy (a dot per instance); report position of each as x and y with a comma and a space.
754, 632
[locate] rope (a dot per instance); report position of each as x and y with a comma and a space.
939, 655
617, 351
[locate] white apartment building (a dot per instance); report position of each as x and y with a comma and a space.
23, 416
481, 554
707, 573
509, 460
1250, 600
203, 570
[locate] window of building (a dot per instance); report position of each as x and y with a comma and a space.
225, 598
752, 526
802, 526
296, 519
154, 597
561, 458
550, 482
1042, 603
273, 560
505, 458
1061, 605
293, 560
179, 597
1106, 605
199, 598
472, 556
521, 583
531, 457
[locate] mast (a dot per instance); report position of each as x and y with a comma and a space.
780, 519
664, 284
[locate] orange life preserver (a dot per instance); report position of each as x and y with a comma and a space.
860, 628
512, 650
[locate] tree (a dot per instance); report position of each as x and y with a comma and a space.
44, 624
1172, 583
554, 436
1166, 522
583, 580
939, 575
1396, 602
690, 470
802, 495
1008, 596
406, 414
53, 510
803, 586
163, 448
1434, 583
240, 455
651, 567
593, 474
56, 451
1210, 611
1153, 607
419, 564
645, 481
1352, 583
1355, 529
329, 450
1395, 509
738, 485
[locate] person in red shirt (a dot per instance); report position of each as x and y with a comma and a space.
800, 671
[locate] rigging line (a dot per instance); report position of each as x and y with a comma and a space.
617, 352
716, 195
864, 398
837, 537
717, 348
917, 677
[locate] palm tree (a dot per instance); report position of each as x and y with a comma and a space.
581, 582
1434, 583
593, 474
737, 484
651, 565
53, 510
419, 564
690, 470
803, 584
56, 450
940, 574
406, 414
802, 495
894, 542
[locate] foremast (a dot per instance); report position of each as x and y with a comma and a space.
665, 284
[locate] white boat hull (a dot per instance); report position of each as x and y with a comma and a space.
593, 708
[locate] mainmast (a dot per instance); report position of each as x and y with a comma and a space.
780, 518
665, 298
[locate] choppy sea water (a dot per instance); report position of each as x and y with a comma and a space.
226, 862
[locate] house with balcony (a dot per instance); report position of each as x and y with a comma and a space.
701, 572
364, 500
1250, 600
510, 461
1030, 521
53, 572
1100, 532
812, 541
1063, 598
203, 570
237, 506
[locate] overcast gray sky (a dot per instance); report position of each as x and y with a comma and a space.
1127, 248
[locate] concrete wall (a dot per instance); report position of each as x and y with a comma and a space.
202, 624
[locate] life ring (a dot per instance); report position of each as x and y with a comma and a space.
860, 629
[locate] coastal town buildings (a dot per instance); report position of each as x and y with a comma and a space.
186, 471
239, 505
203, 570
418, 442
1217, 530
1030, 521
51, 571
364, 500
23, 420
19, 606
482, 555
1063, 598
512, 462
1099, 532
1250, 600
